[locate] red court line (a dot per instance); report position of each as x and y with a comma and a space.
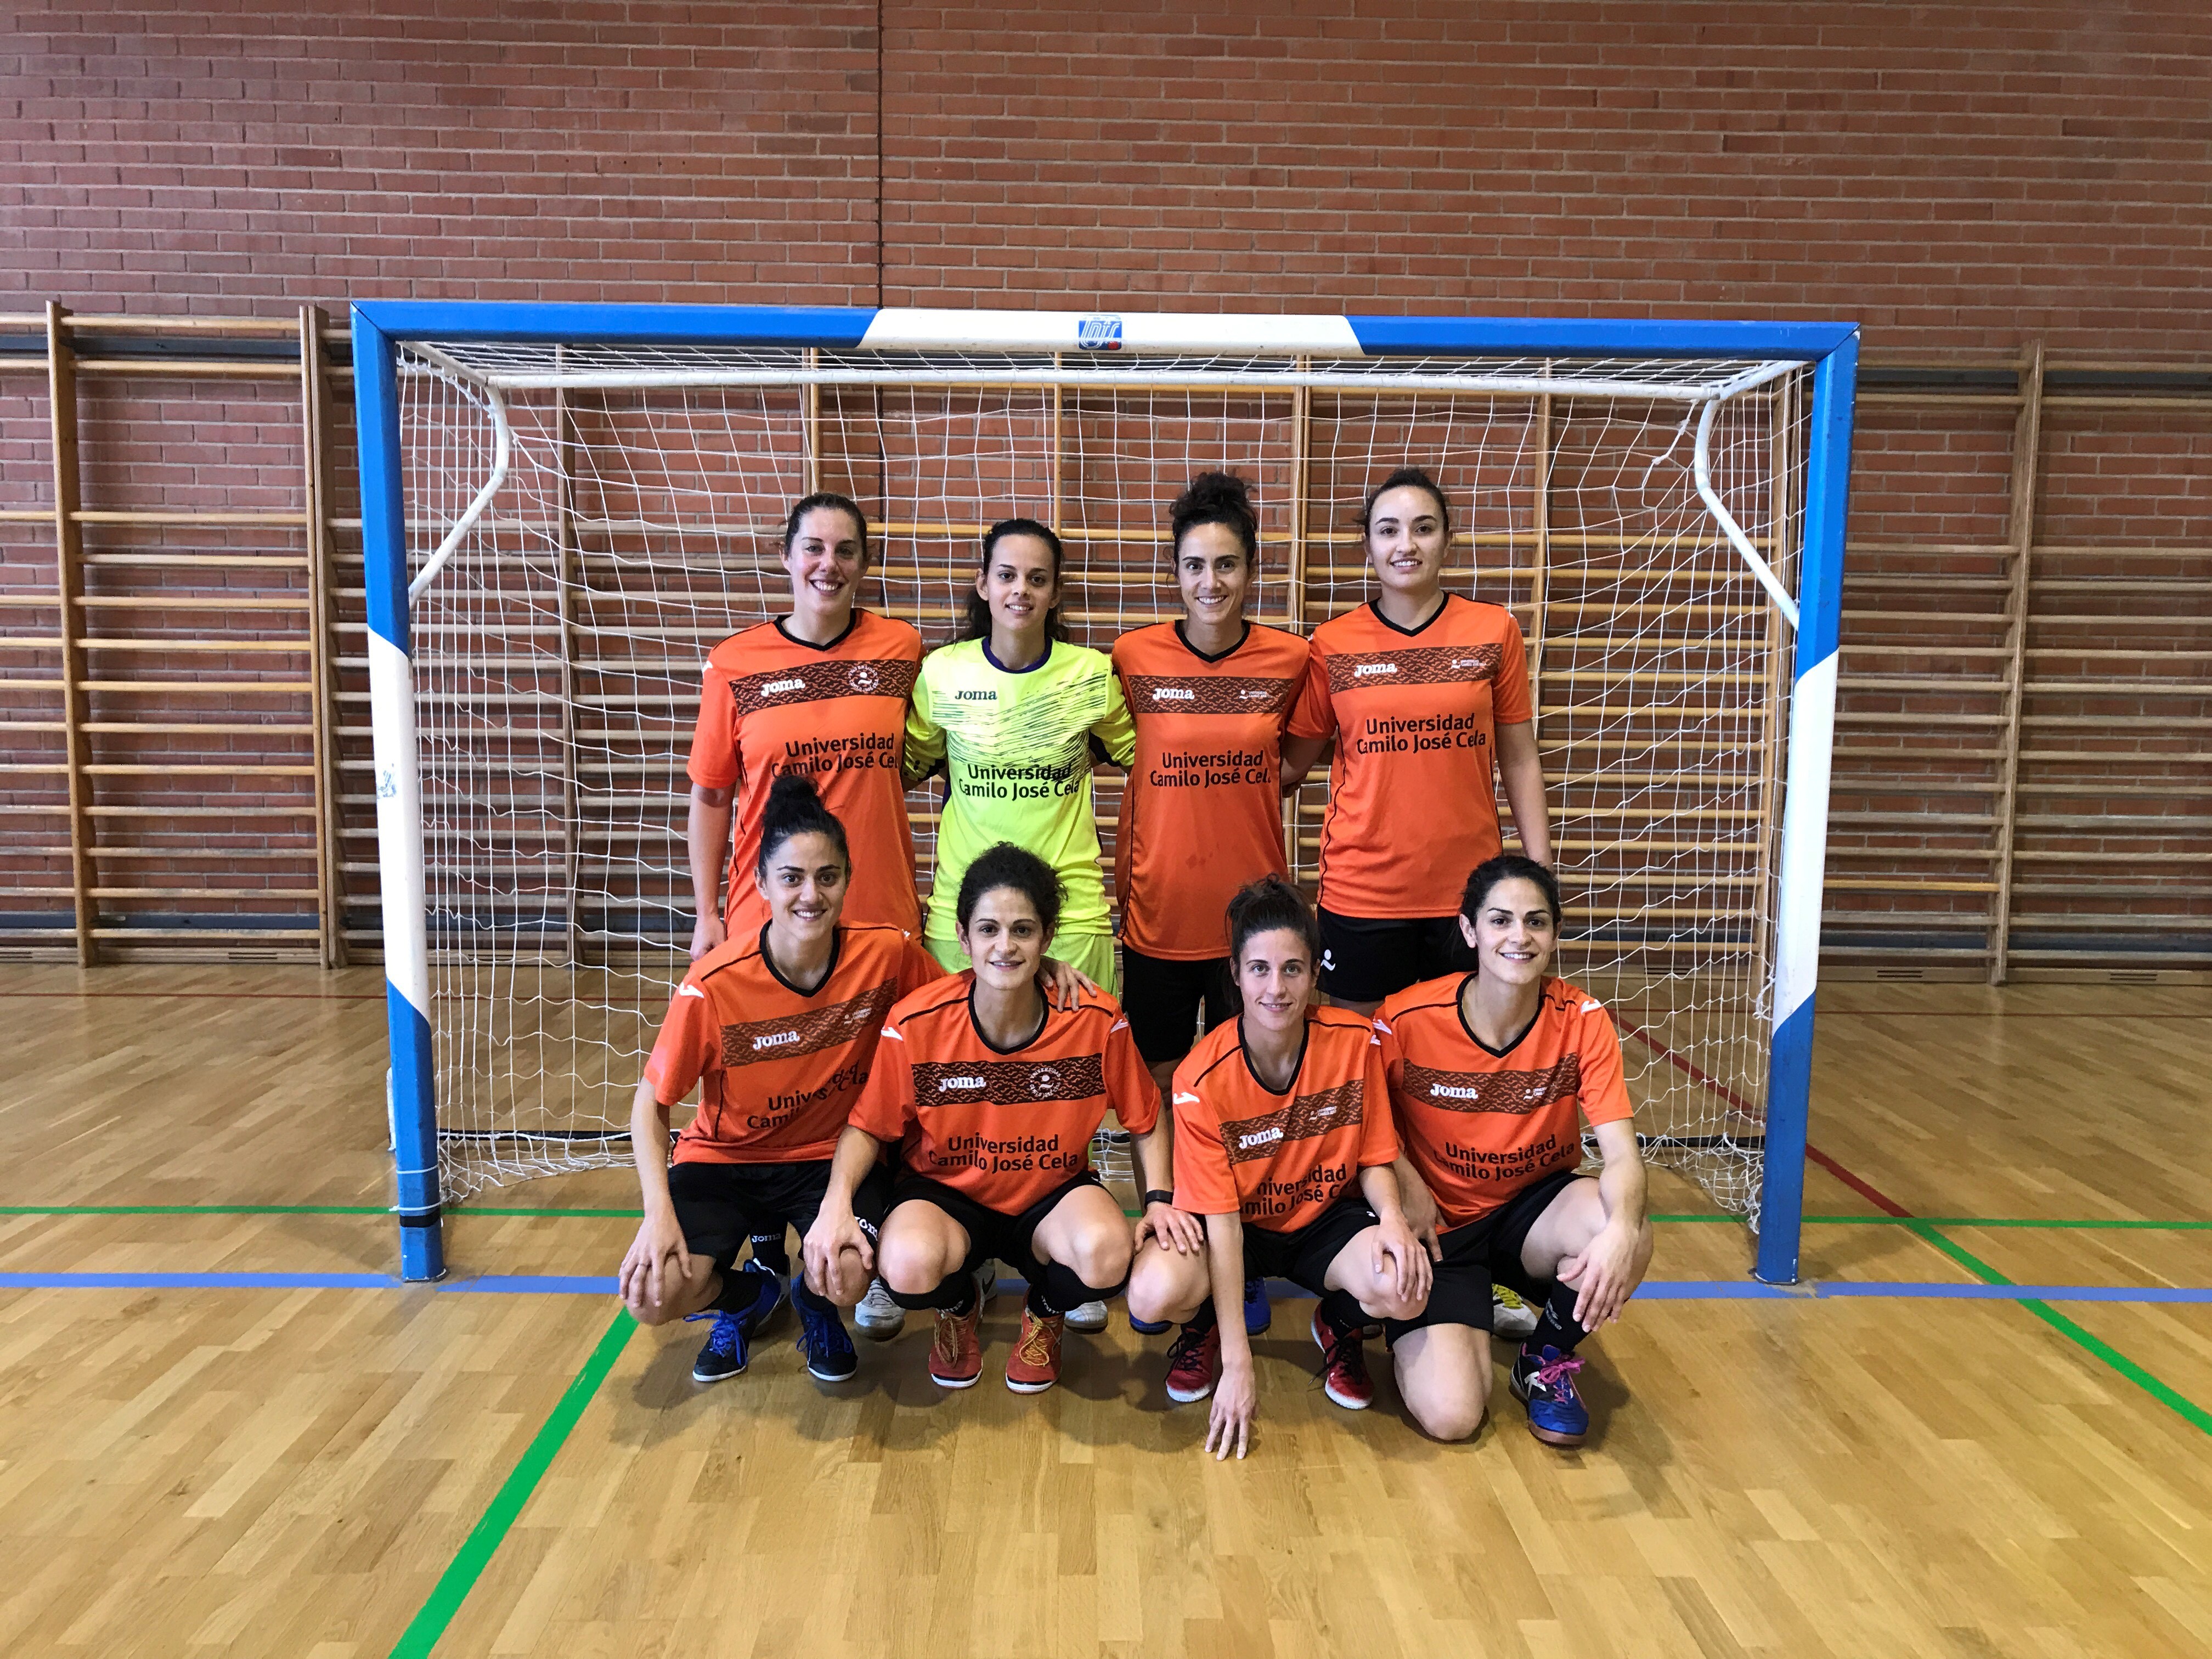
1872, 1195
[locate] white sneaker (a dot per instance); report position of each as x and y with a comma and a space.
1090, 1316
878, 1316
1509, 1315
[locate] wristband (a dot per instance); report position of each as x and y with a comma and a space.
1157, 1196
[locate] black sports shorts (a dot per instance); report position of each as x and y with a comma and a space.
992, 1234
1302, 1254
1365, 959
1162, 999
720, 1206
1487, 1251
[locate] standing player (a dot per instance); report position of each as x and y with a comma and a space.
992, 1095
1019, 714
1427, 695
1202, 813
1487, 1072
781, 1028
821, 691
1284, 1143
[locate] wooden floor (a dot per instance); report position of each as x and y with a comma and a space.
289, 1469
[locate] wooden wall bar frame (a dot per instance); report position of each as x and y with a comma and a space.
2026, 468
69, 581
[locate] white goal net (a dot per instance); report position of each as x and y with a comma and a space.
558, 650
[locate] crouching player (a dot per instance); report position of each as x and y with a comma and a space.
781, 1028
1487, 1072
992, 1095
1284, 1143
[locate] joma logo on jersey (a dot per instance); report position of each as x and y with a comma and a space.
945, 1083
783, 685
1445, 1092
1367, 668
776, 1041
1099, 333
975, 696
1177, 692
1245, 1142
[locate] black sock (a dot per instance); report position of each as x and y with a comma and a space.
1058, 1290
1556, 1326
1342, 1309
807, 1299
768, 1251
1204, 1319
741, 1290
956, 1294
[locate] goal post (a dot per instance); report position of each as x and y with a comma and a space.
564, 506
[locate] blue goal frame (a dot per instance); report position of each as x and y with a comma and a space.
381, 326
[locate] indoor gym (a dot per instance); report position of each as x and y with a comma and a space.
1975, 1422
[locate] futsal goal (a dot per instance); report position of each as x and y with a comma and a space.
565, 508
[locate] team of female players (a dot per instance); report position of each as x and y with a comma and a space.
916, 1097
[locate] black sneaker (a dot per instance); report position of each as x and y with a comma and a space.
726, 1354
823, 1343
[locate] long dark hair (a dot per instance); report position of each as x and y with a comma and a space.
1265, 905
977, 624
1509, 866
1216, 498
794, 808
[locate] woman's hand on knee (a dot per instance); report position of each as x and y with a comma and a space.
657, 1268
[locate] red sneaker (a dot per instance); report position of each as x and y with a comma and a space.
956, 1357
1034, 1365
1194, 1364
1343, 1363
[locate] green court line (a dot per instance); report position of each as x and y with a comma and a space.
478, 1549
2187, 1409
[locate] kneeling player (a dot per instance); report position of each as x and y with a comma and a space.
782, 1028
1487, 1072
1282, 1142
993, 1095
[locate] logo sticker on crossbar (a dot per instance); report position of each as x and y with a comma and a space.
1099, 333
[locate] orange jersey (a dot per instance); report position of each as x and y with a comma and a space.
1202, 813
837, 712
1004, 1127
1479, 1125
781, 1067
1278, 1160
1413, 797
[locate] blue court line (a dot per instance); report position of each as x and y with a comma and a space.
1652, 1290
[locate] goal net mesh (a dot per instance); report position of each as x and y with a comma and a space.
557, 654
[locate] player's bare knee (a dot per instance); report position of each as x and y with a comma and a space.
1448, 1419
910, 1266
1103, 1255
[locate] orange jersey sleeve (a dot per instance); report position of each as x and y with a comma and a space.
885, 1107
917, 968
689, 1046
1130, 1090
714, 764
1314, 714
1601, 1092
1509, 689
1203, 1185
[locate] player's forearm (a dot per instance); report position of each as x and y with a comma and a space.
1624, 1187
1521, 771
1224, 1263
1299, 755
648, 1146
1152, 1157
1378, 1185
706, 839
856, 1154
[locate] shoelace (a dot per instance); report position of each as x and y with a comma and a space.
723, 1338
1554, 1372
1035, 1346
1344, 1350
945, 1345
1186, 1344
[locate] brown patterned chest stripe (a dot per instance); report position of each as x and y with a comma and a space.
1308, 1117
1159, 693
1007, 1082
818, 682
811, 1032
1515, 1092
1426, 665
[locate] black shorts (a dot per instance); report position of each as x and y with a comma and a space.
1302, 1255
1162, 999
1365, 959
993, 1235
720, 1206
1487, 1251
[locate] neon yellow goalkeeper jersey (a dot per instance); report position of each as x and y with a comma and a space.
1017, 749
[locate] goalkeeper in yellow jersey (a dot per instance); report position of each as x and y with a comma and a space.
1018, 716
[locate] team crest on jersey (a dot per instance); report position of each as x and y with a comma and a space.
863, 679
1043, 1082
1099, 333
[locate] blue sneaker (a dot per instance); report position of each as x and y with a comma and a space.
822, 1340
1258, 1315
729, 1345
1545, 1381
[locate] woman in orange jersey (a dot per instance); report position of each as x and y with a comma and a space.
1426, 695
992, 1095
780, 1027
1284, 1143
1202, 813
1491, 1075
822, 692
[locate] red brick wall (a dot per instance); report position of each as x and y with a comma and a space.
1951, 176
